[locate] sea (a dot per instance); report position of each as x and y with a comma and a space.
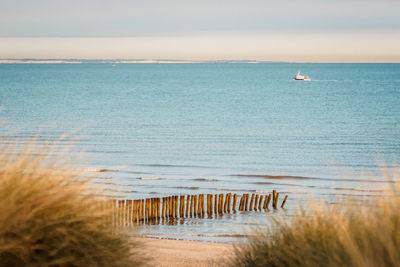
154, 130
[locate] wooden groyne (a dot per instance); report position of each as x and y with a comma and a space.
157, 210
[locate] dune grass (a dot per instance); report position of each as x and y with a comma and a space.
367, 234
50, 215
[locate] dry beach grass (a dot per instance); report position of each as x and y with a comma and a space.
367, 234
50, 216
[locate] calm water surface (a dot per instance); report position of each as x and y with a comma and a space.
161, 129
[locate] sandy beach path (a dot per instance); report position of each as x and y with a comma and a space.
167, 252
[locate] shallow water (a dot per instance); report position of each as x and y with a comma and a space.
160, 129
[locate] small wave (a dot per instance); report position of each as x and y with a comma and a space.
281, 177
149, 178
120, 191
107, 170
267, 176
188, 187
205, 180
116, 184
174, 166
230, 189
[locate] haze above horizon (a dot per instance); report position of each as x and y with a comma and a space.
287, 30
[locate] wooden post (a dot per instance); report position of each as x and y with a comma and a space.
187, 206
234, 202
176, 206
158, 208
209, 204
221, 203
182, 207
246, 202
251, 202
195, 206
256, 202
199, 205
154, 201
260, 203
216, 204
284, 201
171, 206
151, 208
275, 204
201, 198
241, 203
191, 205
267, 200
129, 213
273, 197
203, 209
134, 211
163, 214
121, 212
226, 203
142, 210
228, 208
146, 210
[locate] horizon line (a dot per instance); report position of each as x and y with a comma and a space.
162, 61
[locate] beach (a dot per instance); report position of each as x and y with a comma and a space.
169, 252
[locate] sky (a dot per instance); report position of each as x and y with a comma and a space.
265, 30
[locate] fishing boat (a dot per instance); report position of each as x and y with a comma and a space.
299, 77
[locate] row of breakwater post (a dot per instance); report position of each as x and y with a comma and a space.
157, 210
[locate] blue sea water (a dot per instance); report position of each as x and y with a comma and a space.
161, 129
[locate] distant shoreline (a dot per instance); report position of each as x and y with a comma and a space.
118, 61
159, 61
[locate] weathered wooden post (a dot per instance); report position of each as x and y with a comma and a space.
221, 203
241, 203
129, 213
260, 203
225, 203
146, 210
182, 207
275, 204
200, 209
171, 206
191, 205
234, 202
228, 208
199, 205
251, 202
163, 214
216, 204
267, 200
176, 206
187, 206
256, 202
246, 202
195, 206
273, 197
209, 204
134, 212
284, 201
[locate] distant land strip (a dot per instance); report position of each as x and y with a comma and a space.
117, 61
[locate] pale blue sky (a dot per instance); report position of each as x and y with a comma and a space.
344, 23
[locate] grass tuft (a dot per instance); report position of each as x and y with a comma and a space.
344, 234
51, 215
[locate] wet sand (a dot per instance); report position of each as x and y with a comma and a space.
166, 252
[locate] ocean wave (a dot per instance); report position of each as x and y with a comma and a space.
149, 178
205, 180
188, 187
268, 176
281, 177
